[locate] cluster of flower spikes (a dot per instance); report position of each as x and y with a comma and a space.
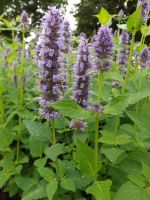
67, 37
144, 57
145, 9
103, 46
48, 53
124, 51
82, 77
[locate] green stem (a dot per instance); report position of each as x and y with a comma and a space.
139, 87
54, 142
129, 64
21, 94
2, 110
100, 93
53, 131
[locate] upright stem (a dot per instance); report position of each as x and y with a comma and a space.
21, 93
129, 64
100, 93
139, 87
54, 142
53, 131
2, 110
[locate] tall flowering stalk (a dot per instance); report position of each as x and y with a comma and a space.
82, 83
104, 48
24, 23
145, 9
48, 52
124, 52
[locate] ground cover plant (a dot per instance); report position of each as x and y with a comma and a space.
74, 121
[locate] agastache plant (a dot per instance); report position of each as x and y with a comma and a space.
49, 49
82, 78
124, 51
145, 9
103, 46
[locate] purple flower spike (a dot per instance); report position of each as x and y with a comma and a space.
82, 83
145, 9
103, 46
97, 107
78, 125
124, 52
48, 54
144, 57
67, 36
24, 17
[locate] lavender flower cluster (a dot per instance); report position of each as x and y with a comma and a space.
67, 36
145, 9
82, 82
103, 46
144, 57
124, 52
48, 52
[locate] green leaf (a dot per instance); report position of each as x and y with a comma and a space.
137, 180
132, 192
122, 26
7, 169
86, 159
51, 189
119, 104
104, 17
71, 109
40, 162
36, 192
36, 147
145, 30
25, 183
45, 173
134, 22
38, 130
141, 120
6, 138
54, 151
111, 138
68, 184
100, 190
112, 153
146, 171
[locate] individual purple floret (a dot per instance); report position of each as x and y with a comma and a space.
97, 107
82, 78
103, 46
78, 125
145, 9
67, 36
115, 84
144, 57
49, 49
124, 51
24, 17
